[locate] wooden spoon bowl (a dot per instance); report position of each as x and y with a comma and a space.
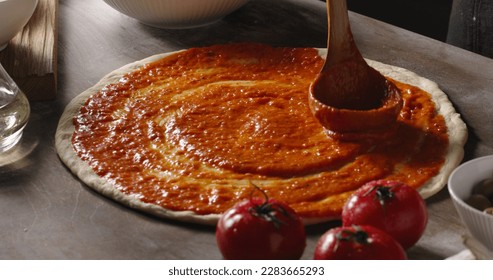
349, 98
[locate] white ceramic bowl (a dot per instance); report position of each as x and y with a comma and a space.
460, 185
174, 14
14, 14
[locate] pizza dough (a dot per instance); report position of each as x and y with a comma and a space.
231, 174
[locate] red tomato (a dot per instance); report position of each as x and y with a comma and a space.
261, 229
358, 243
390, 206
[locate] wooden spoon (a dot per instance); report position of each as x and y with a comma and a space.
349, 98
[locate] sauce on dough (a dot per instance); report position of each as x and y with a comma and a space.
188, 132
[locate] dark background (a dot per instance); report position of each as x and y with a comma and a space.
426, 17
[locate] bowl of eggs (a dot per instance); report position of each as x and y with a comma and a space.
176, 14
14, 15
471, 187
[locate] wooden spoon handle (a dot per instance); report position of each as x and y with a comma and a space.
340, 42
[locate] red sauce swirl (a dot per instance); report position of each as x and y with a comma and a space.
189, 131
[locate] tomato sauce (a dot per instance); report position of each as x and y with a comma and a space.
190, 131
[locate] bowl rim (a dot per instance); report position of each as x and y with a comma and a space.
452, 192
187, 16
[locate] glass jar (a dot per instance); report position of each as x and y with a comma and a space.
14, 112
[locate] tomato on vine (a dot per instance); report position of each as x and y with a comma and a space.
391, 206
261, 228
358, 243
